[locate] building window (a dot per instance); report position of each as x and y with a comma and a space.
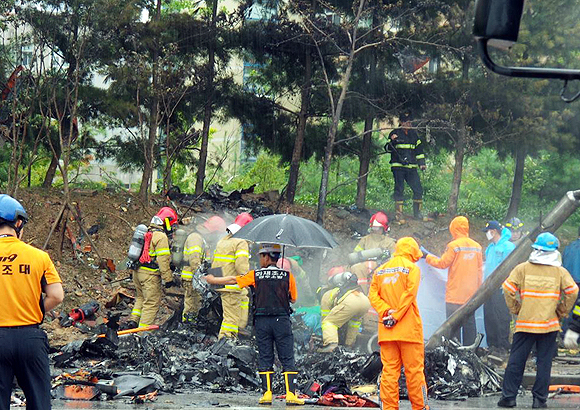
246, 154
27, 56
434, 65
332, 18
268, 10
250, 69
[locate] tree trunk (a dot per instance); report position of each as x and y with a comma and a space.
365, 153
167, 180
336, 114
207, 115
518, 181
300, 132
465, 67
149, 153
51, 171
364, 162
457, 170
149, 146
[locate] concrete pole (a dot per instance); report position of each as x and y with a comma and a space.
550, 223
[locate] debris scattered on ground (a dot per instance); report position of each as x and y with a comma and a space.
179, 357
455, 373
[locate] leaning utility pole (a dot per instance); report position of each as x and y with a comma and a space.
551, 222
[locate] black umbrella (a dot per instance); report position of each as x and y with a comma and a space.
288, 230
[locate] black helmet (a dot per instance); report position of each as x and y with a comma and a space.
405, 116
514, 224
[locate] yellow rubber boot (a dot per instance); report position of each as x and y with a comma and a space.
399, 217
291, 398
266, 378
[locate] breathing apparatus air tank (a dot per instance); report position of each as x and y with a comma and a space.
177, 245
368, 254
137, 242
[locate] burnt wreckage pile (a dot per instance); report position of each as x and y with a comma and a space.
455, 373
216, 199
186, 359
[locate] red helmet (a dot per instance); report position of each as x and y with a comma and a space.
165, 214
241, 220
379, 219
333, 271
215, 224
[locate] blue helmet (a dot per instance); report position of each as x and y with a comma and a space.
11, 210
546, 242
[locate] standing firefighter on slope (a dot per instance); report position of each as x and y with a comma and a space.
407, 155
377, 238
393, 294
343, 304
154, 266
546, 294
275, 290
232, 256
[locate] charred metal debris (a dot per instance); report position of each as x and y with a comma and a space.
185, 359
214, 198
455, 373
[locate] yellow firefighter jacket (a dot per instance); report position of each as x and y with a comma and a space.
376, 240
160, 255
233, 256
193, 253
547, 293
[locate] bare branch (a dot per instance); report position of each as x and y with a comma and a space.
350, 181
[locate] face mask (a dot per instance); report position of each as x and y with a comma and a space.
489, 235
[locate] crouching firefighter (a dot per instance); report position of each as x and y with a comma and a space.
154, 265
344, 303
275, 289
393, 294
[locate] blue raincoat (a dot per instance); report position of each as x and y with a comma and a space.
497, 252
571, 259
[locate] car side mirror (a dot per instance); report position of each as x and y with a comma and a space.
498, 21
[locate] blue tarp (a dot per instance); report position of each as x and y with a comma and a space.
431, 300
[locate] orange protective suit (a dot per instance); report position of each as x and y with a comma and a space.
394, 291
464, 259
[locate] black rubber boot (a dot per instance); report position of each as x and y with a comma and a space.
417, 205
505, 402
